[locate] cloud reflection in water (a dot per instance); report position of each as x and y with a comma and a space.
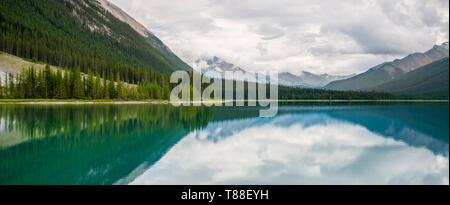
295, 149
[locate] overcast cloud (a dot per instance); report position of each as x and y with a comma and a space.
327, 36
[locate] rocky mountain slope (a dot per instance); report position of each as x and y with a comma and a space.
431, 79
390, 70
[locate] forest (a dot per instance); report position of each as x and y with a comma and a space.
32, 83
72, 84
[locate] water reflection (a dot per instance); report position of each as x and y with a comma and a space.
314, 145
161, 144
92, 144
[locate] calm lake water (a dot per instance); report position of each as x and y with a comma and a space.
384, 143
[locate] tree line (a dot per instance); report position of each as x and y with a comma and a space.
286, 93
33, 83
58, 83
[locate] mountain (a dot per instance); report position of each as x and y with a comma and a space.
90, 34
305, 79
205, 65
154, 41
390, 70
429, 79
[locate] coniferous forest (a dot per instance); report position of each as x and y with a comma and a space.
32, 83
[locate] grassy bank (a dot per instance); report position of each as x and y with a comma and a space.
80, 101
76, 101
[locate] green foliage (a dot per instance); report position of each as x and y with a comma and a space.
48, 84
77, 86
285, 93
90, 93
111, 87
62, 33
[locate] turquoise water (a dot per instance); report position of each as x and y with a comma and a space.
365, 143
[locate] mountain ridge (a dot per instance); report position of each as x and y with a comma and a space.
305, 79
143, 31
390, 70
431, 79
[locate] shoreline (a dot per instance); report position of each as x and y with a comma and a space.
82, 102
79, 102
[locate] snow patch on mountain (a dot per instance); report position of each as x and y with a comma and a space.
216, 68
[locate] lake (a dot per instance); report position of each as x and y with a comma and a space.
306, 143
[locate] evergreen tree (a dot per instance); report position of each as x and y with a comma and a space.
1, 87
120, 88
166, 93
77, 84
98, 90
111, 87
60, 90
156, 90
90, 85
67, 84
105, 87
11, 85
48, 82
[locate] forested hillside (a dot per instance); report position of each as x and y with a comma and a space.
432, 79
81, 34
390, 70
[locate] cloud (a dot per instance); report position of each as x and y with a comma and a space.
336, 37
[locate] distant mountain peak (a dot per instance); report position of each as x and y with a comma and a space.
444, 45
304, 79
215, 63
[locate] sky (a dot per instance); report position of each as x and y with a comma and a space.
328, 36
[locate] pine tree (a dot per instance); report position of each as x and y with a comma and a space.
67, 84
111, 87
105, 87
77, 84
60, 90
166, 94
48, 82
11, 86
90, 85
1, 87
120, 88
156, 90
98, 88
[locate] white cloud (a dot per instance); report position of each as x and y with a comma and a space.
337, 37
